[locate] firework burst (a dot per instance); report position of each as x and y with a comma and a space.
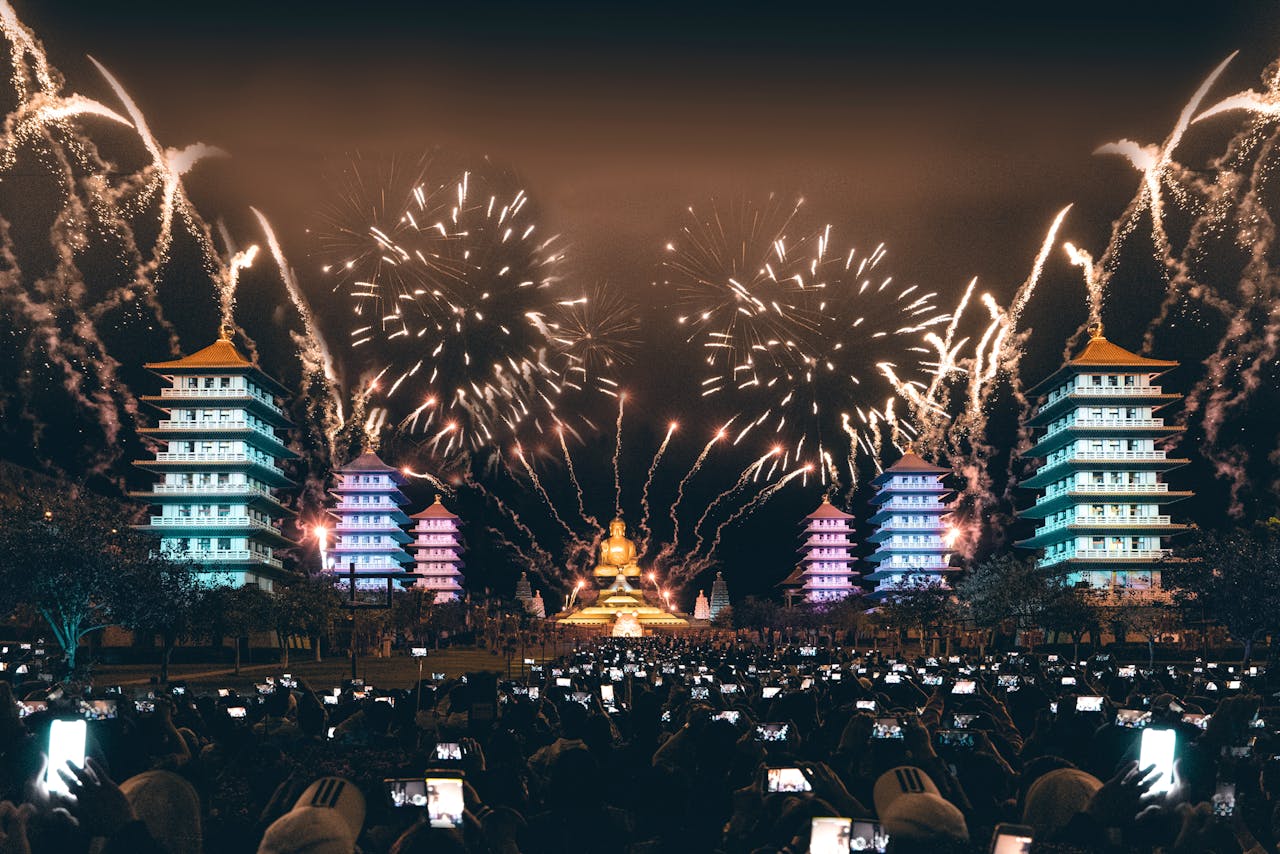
789, 327
456, 303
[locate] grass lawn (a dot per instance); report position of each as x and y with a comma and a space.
399, 671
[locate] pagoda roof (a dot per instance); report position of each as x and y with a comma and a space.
1101, 353
795, 579
909, 463
827, 510
369, 461
221, 355
434, 510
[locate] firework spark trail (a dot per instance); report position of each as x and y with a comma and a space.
684, 481
317, 364
540, 561
227, 286
31, 121
617, 458
644, 530
744, 480
429, 478
1154, 162
546, 497
170, 165
23, 44
573, 479
696, 565
1093, 283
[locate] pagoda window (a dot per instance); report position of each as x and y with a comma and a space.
224, 510
1130, 380
1098, 542
1096, 379
202, 544
224, 544
224, 382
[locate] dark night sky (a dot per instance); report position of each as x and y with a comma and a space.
952, 134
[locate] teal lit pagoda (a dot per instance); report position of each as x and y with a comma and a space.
911, 537
370, 536
219, 466
1101, 480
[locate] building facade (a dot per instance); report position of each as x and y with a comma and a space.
219, 467
437, 547
369, 536
825, 573
1102, 472
719, 595
911, 537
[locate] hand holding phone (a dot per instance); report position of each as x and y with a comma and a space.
66, 744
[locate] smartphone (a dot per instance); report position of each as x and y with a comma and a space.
1158, 748
66, 744
830, 835
731, 715
865, 705
729, 688
1088, 704
329, 732
961, 721
407, 791
144, 707
1012, 839
237, 712
1197, 721
892, 678
330, 700
606, 693
448, 751
956, 738
30, 707
868, 835
1132, 718
1224, 800
786, 780
444, 801
887, 728
418, 652
771, 732
1129, 671
699, 692
1068, 680
964, 686
563, 682
768, 692
100, 710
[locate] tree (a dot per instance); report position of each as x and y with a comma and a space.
922, 604
1002, 590
1071, 609
71, 557
724, 619
755, 613
1232, 578
238, 612
165, 598
1150, 620
306, 606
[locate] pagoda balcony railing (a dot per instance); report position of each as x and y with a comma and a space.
1103, 391
1136, 488
894, 563
1106, 456
1106, 554
364, 526
925, 543
205, 426
1097, 521
224, 556
899, 504
210, 522
218, 488
220, 392
213, 457
1101, 423
927, 524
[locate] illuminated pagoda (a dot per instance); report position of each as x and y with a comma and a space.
1101, 475
719, 595
219, 466
369, 532
911, 537
824, 573
702, 607
620, 609
524, 592
437, 548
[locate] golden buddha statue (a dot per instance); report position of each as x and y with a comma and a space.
617, 553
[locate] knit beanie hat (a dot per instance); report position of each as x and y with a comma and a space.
169, 807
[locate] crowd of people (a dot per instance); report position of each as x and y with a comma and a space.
662, 744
